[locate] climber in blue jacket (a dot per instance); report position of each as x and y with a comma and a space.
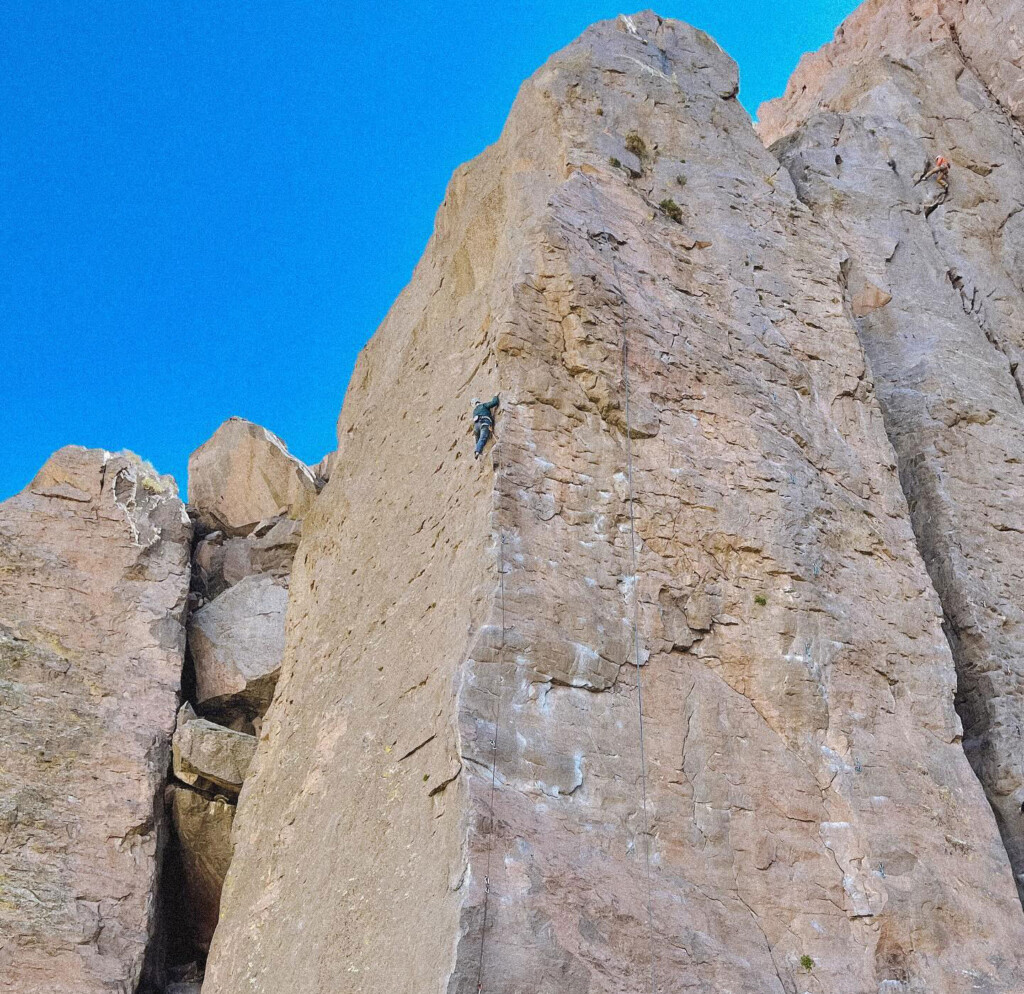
483, 423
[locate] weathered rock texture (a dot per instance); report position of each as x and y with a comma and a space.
243, 474
93, 585
239, 593
221, 561
813, 821
209, 754
902, 83
236, 642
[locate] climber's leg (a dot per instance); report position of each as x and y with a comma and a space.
483, 433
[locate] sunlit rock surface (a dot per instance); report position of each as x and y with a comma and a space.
812, 820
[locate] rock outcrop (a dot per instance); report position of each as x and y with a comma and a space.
239, 597
93, 584
220, 561
902, 83
449, 789
244, 474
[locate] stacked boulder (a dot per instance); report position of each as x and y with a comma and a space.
247, 496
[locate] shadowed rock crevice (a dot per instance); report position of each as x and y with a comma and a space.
235, 642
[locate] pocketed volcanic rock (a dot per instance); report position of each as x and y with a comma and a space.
244, 474
93, 585
691, 490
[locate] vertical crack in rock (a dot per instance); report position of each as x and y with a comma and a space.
888, 95
821, 819
247, 496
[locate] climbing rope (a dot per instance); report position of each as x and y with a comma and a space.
636, 636
494, 752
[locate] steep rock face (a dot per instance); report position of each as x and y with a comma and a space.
811, 819
93, 585
988, 36
863, 119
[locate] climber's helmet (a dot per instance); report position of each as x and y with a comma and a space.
475, 401
941, 162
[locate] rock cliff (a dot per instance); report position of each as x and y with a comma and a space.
111, 876
903, 83
691, 494
93, 585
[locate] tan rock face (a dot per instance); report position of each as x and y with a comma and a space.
946, 352
244, 474
812, 821
986, 35
221, 561
93, 582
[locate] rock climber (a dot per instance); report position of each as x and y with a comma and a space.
940, 171
483, 422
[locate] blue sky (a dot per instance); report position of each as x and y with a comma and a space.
206, 208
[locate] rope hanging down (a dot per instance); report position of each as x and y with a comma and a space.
494, 756
636, 635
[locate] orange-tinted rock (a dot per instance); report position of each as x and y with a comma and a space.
808, 798
244, 474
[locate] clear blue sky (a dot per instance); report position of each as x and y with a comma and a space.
206, 208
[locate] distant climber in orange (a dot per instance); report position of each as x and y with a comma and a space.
940, 171
483, 423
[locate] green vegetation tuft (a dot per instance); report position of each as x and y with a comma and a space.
806, 962
761, 600
614, 163
672, 209
636, 145
681, 180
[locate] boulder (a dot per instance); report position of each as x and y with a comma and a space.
221, 560
236, 643
244, 474
208, 754
93, 584
273, 545
202, 827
